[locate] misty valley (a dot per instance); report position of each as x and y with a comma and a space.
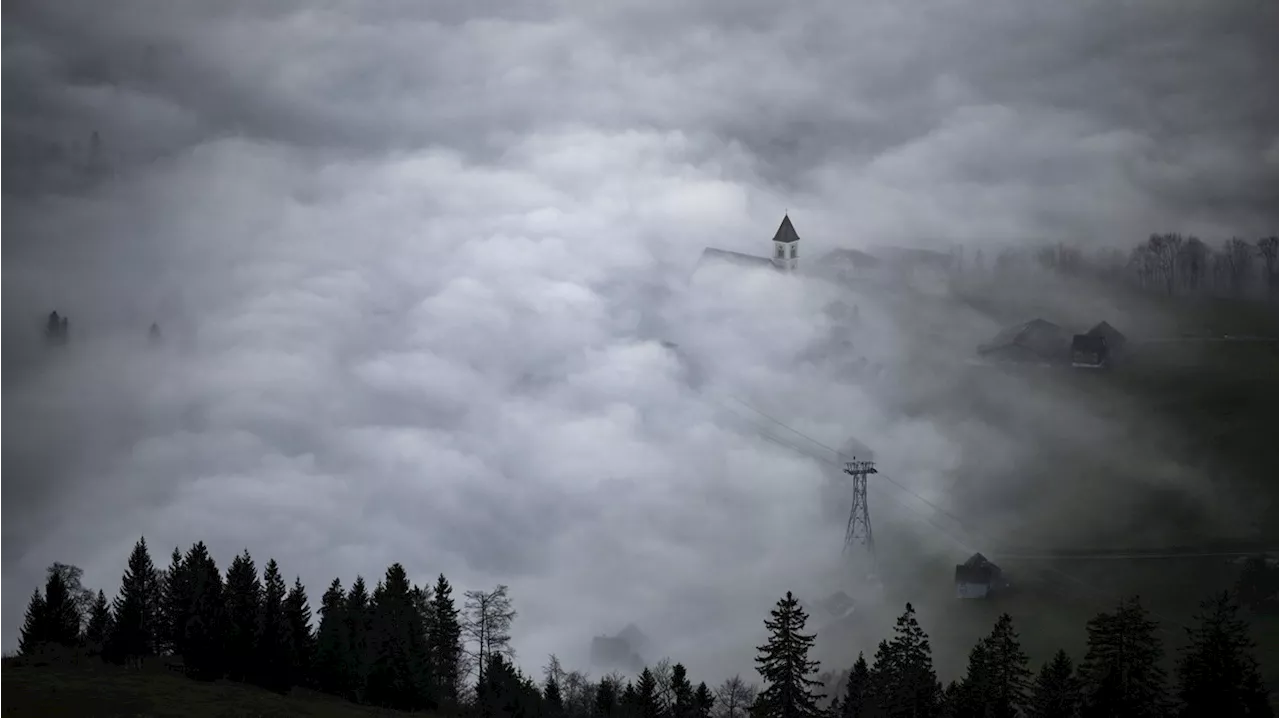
1127, 500
640, 359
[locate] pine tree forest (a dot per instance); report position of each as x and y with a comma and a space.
395, 644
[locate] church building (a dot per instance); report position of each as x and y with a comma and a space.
786, 246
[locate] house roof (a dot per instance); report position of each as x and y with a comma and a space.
786, 231
1039, 336
977, 570
1111, 334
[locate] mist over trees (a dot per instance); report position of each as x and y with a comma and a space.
1168, 263
411, 647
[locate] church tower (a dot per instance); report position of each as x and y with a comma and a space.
786, 245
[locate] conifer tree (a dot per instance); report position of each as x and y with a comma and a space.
175, 604
552, 701
81, 597
681, 693
856, 687
136, 607
302, 644
998, 679
1056, 691
203, 630
903, 682
243, 606
970, 696
399, 675
332, 642
1217, 673
445, 644
98, 629
783, 663
703, 701
35, 630
949, 704
274, 642
646, 695
629, 701
62, 612
1121, 674
606, 698
356, 616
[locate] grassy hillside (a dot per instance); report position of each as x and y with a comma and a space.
90, 688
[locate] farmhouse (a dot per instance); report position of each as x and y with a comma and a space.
1036, 341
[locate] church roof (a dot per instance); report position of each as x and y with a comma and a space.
786, 231
725, 255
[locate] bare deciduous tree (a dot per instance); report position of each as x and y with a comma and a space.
1238, 256
81, 597
1164, 249
487, 618
734, 698
662, 677
1193, 259
1267, 248
578, 693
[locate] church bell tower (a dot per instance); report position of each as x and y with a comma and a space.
786, 245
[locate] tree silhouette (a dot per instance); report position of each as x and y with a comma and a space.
136, 608
37, 626
356, 615
997, 681
1056, 691
1121, 674
332, 641
203, 630
175, 605
99, 626
552, 701
243, 606
1217, 673
903, 682
399, 674
783, 663
302, 644
487, 624
856, 689
445, 644
274, 643
646, 695
704, 701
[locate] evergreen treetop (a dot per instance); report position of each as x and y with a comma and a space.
790, 691
1217, 673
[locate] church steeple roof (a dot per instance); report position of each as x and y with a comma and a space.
786, 232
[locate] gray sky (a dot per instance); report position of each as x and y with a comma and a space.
410, 260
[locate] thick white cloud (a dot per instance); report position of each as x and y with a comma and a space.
412, 275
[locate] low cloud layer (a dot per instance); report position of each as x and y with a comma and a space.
413, 271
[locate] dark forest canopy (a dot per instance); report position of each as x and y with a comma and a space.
411, 647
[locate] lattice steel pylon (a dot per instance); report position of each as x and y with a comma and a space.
859, 531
